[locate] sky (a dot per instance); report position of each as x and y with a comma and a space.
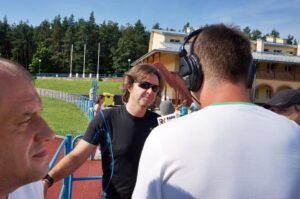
264, 15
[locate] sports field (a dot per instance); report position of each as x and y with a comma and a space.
65, 118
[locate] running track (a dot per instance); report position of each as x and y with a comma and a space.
81, 189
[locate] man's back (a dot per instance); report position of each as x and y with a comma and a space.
230, 150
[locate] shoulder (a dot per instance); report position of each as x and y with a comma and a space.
152, 114
32, 190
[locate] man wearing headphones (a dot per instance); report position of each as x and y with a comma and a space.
121, 133
231, 148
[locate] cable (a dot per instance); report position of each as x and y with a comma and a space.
109, 142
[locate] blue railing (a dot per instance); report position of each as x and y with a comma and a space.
68, 145
79, 75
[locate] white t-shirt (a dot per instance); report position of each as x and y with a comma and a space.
225, 151
34, 190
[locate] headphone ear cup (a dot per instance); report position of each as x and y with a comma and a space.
190, 69
185, 71
196, 76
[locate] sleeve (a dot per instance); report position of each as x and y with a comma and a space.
149, 180
94, 130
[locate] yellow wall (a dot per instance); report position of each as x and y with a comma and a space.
169, 37
261, 95
284, 49
263, 86
157, 38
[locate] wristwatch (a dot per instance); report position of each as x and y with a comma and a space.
49, 180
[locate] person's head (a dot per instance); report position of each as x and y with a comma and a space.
224, 53
287, 103
100, 99
23, 132
224, 57
143, 85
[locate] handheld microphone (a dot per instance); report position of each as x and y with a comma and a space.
167, 111
166, 108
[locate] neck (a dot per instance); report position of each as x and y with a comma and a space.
225, 92
135, 110
8, 186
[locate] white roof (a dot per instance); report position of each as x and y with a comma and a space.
172, 47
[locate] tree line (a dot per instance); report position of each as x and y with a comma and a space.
46, 48
49, 44
257, 34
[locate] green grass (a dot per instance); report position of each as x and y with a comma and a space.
78, 86
64, 118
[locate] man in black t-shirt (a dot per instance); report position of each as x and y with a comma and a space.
121, 132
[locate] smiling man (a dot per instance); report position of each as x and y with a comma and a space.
121, 133
23, 133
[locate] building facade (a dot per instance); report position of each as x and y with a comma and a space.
278, 63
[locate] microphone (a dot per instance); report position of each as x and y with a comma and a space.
167, 111
166, 108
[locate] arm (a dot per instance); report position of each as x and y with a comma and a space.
71, 162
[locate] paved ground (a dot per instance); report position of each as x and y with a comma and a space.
81, 189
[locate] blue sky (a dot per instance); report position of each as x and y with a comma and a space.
257, 14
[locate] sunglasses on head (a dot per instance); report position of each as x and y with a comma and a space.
147, 85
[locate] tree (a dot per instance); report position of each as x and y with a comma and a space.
57, 44
23, 43
187, 25
156, 26
125, 50
141, 40
42, 33
290, 39
295, 42
275, 33
69, 27
109, 35
255, 34
247, 31
92, 42
44, 54
5, 40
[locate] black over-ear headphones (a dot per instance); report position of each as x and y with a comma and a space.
190, 68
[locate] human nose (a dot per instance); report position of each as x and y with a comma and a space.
44, 132
151, 91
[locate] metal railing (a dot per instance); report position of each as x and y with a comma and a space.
78, 75
68, 145
80, 101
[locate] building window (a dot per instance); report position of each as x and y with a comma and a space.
270, 68
277, 51
288, 68
291, 53
175, 40
266, 50
268, 93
